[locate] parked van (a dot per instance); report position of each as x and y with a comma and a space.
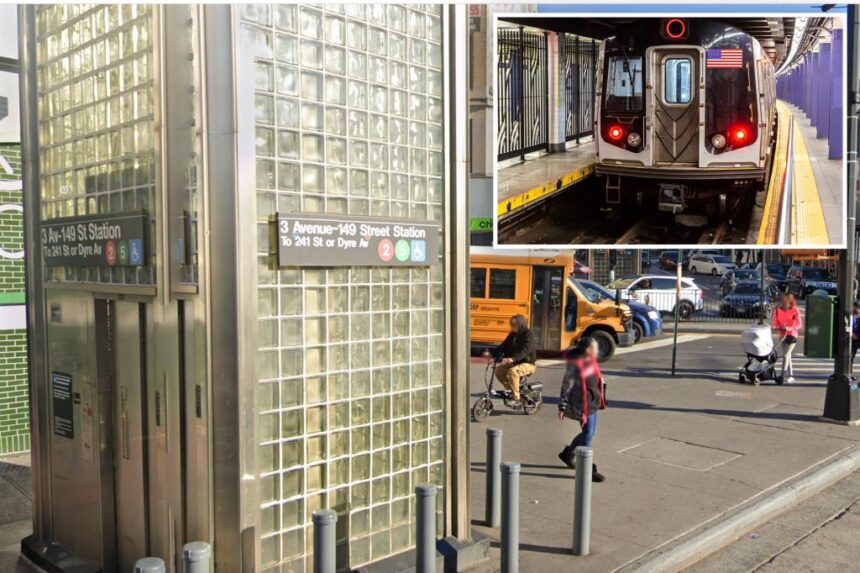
541, 286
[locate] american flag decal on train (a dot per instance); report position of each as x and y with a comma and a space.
725, 58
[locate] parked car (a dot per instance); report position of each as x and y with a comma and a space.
715, 265
659, 292
732, 278
646, 318
776, 272
800, 281
669, 260
746, 300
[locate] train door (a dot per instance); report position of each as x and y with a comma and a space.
675, 101
546, 306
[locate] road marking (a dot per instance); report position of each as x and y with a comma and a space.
727, 394
660, 343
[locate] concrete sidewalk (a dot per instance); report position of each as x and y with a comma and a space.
16, 500
680, 454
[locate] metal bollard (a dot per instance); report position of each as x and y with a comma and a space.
325, 541
494, 477
197, 555
149, 565
510, 517
425, 538
582, 501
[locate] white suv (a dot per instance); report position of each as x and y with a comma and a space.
716, 265
659, 292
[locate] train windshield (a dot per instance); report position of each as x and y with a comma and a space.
624, 84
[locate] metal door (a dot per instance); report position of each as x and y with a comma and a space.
676, 106
547, 306
128, 348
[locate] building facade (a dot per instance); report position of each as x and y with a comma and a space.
14, 409
201, 374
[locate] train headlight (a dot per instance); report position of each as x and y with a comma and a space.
615, 132
718, 141
634, 139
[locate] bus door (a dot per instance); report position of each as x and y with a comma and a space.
546, 306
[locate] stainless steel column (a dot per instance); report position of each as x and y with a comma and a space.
456, 236
36, 327
494, 477
325, 541
425, 538
510, 517
149, 565
197, 556
582, 501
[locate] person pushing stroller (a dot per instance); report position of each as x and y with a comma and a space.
787, 322
583, 394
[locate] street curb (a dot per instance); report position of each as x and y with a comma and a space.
718, 536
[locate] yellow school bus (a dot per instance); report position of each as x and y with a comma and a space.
540, 285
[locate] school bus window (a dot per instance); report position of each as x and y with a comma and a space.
503, 283
478, 281
570, 311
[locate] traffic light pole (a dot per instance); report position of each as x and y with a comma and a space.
842, 402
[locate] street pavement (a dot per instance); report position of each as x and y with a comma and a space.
817, 536
16, 500
679, 453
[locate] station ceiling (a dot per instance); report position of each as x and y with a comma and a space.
775, 34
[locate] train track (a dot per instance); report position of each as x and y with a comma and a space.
580, 216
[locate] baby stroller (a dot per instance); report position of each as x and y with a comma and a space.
757, 343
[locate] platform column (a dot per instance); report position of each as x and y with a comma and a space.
837, 120
555, 93
813, 89
823, 79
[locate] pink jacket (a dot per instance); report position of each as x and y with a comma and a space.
787, 322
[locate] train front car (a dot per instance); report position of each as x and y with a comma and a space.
686, 115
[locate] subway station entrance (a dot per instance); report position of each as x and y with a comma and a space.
246, 257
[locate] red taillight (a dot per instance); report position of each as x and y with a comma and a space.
739, 135
702, 294
615, 132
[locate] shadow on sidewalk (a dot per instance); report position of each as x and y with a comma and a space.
628, 405
538, 548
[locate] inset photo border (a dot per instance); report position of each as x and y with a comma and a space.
649, 130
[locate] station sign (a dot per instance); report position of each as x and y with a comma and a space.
110, 240
305, 240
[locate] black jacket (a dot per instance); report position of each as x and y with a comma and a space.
583, 389
522, 347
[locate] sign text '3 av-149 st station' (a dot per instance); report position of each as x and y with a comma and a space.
112, 240
331, 241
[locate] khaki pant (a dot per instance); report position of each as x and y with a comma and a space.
511, 374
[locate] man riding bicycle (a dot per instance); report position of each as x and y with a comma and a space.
516, 356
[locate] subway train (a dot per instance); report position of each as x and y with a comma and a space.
686, 114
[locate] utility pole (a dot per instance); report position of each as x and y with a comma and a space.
842, 402
678, 271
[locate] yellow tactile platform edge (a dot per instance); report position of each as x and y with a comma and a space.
807, 215
769, 228
517, 201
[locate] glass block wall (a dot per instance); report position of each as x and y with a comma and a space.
96, 110
349, 119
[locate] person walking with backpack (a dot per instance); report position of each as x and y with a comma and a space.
583, 394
